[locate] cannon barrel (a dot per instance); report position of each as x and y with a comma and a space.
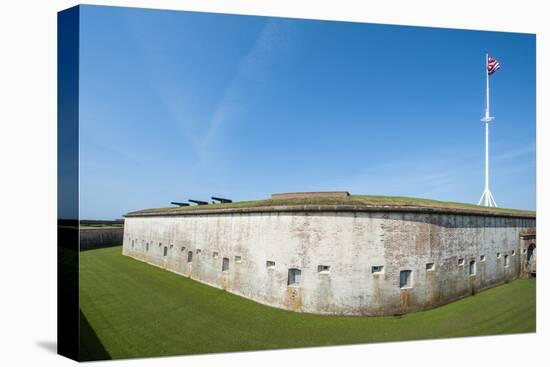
198, 202
222, 200
179, 204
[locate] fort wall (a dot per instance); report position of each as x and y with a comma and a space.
347, 262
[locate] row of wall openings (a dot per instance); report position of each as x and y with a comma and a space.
225, 262
472, 269
270, 265
160, 245
482, 258
473, 263
294, 275
506, 258
405, 276
215, 255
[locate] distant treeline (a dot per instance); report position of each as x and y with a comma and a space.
74, 222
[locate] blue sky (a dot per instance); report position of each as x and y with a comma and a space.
178, 105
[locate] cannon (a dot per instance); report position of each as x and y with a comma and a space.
222, 200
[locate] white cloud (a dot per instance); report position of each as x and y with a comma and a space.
272, 45
515, 153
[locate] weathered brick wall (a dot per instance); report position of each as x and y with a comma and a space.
96, 238
349, 242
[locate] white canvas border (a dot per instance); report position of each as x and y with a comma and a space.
28, 151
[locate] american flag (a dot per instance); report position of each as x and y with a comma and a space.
492, 65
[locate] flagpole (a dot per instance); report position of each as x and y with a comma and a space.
487, 119
489, 200
487, 196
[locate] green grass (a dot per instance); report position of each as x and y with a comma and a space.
137, 310
358, 200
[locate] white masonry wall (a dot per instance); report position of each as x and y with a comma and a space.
351, 243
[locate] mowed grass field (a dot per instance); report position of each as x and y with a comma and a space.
131, 309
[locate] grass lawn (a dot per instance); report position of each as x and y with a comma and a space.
131, 309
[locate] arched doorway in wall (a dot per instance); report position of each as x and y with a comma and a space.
531, 262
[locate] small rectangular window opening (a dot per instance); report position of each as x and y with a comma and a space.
147, 246
160, 244
132, 243
323, 269
171, 247
460, 262
238, 259
513, 252
225, 264
182, 248
405, 279
506, 261
482, 258
215, 254
199, 251
472, 267
498, 255
270, 264
165, 251
190, 256
294, 276
377, 269
430, 267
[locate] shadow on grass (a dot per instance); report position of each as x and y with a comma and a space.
95, 247
91, 348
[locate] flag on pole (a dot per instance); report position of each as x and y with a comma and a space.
492, 65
